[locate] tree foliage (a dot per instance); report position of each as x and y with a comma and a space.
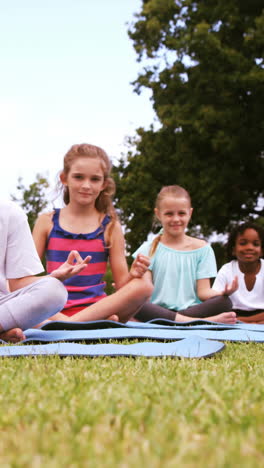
32, 199
203, 62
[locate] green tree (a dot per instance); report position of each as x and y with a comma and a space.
204, 66
32, 199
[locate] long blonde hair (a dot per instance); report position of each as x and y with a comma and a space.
104, 202
171, 191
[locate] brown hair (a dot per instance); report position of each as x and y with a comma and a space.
103, 203
168, 191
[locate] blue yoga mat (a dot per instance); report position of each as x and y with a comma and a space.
38, 335
153, 324
192, 347
204, 324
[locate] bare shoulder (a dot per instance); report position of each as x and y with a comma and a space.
118, 227
117, 240
197, 243
46, 217
44, 221
117, 232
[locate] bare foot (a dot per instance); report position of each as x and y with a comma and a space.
114, 318
13, 336
225, 317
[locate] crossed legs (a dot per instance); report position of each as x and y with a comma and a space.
121, 305
216, 309
28, 306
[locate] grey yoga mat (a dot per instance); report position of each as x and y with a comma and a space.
192, 347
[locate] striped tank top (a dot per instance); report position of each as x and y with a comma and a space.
87, 287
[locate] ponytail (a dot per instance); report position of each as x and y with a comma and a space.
154, 245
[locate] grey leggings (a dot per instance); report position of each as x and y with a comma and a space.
31, 305
214, 306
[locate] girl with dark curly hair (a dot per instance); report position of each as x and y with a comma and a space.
245, 252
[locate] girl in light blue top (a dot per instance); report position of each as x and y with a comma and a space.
181, 267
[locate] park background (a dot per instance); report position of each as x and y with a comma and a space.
173, 93
66, 73
66, 68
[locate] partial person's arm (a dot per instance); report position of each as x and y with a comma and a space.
225, 282
207, 266
22, 262
204, 290
41, 232
73, 265
118, 262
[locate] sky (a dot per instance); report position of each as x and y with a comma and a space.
66, 73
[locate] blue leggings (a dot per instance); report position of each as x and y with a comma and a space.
26, 307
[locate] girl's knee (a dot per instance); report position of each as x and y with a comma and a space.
146, 288
54, 294
58, 292
150, 288
224, 302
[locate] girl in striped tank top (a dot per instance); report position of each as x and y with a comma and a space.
88, 225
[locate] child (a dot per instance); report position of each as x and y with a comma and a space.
89, 224
181, 267
26, 300
245, 249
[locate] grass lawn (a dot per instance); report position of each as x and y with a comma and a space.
126, 412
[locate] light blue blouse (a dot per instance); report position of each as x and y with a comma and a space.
174, 274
